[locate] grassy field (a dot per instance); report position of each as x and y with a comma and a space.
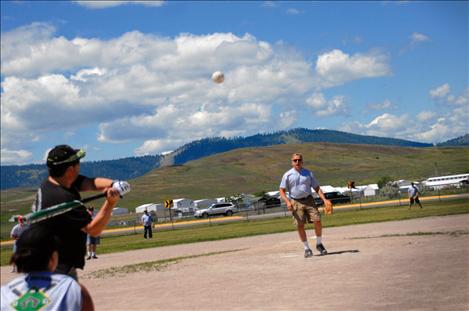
249, 228
251, 170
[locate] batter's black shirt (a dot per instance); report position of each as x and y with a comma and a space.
67, 227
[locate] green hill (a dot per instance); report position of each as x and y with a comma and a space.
13, 176
250, 170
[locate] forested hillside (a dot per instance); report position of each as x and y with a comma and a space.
128, 168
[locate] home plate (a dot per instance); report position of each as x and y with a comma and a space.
289, 256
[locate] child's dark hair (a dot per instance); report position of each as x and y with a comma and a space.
34, 249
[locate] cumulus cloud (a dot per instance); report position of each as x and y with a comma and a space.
386, 122
322, 107
150, 90
438, 132
15, 156
287, 119
426, 126
336, 67
415, 39
440, 92
104, 4
161, 146
426, 116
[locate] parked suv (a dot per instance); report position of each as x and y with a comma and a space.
334, 197
226, 209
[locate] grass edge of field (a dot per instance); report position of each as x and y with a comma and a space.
248, 228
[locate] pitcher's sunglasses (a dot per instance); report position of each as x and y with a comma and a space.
297, 160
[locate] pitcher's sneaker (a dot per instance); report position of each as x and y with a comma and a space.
321, 249
308, 253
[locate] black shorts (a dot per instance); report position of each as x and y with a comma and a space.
416, 200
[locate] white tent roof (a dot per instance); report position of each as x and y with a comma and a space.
146, 207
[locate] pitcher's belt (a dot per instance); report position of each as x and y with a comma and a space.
302, 199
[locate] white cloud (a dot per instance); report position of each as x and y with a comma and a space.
316, 101
144, 88
15, 156
426, 116
322, 107
418, 37
385, 125
387, 122
104, 4
415, 39
428, 126
438, 132
462, 100
336, 67
288, 119
155, 146
85, 74
440, 92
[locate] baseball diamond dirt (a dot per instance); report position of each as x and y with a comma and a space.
419, 264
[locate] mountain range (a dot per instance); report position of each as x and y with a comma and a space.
13, 176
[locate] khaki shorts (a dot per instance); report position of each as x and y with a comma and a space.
305, 211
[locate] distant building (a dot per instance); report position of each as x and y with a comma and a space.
149, 207
119, 211
403, 184
369, 191
440, 182
186, 207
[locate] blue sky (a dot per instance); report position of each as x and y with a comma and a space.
130, 78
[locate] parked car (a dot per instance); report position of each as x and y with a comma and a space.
334, 197
270, 202
226, 209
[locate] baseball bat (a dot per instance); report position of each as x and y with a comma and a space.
57, 209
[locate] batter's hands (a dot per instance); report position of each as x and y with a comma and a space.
121, 186
112, 195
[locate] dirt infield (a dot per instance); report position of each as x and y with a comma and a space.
385, 266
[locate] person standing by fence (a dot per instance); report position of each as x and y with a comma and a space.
16, 232
92, 241
147, 222
414, 195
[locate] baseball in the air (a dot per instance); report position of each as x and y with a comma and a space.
218, 77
